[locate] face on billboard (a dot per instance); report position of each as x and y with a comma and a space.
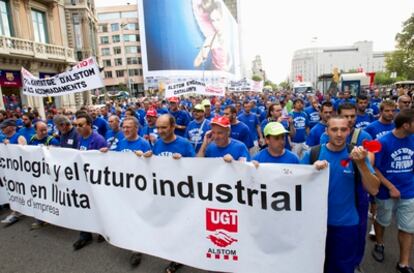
188, 38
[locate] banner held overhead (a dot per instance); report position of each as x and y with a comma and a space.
84, 76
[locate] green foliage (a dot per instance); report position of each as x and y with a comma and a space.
284, 85
402, 59
257, 78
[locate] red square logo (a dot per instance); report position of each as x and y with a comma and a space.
225, 219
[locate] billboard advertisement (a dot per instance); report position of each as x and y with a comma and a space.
182, 39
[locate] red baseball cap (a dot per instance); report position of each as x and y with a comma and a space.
174, 99
152, 112
221, 121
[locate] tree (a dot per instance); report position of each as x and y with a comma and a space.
402, 59
257, 78
284, 85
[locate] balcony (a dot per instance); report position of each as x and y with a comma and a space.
11, 46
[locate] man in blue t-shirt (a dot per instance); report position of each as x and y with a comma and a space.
342, 239
149, 132
301, 124
170, 144
8, 128
363, 118
114, 133
315, 133
89, 140
197, 128
181, 117
42, 137
239, 131
385, 122
218, 143
138, 145
99, 124
394, 166
313, 111
252, 121
27, 130
275, 136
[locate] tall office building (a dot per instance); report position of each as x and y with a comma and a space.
33, 35
232, 5
120, 48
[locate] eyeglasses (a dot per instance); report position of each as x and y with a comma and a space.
80, 125
405, 101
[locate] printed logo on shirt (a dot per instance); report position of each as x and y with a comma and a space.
299, 122
83, 148
402, 161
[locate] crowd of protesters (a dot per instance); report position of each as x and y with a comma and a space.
270, 127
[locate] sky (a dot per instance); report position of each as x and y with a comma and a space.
274, 29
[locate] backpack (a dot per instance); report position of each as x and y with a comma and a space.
316, 150
49, 138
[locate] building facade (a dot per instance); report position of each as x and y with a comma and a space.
120, 48
232, 5
309, 63
32, 35
82, 25
257, 68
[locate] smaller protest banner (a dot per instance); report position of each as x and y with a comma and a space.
246, 85
192, 87
82, 77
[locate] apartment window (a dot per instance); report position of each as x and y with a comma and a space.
131, 26
131, 38
105, 51
39, 26
107, 63
133, 72
129, 14
132, 49
132, 60
119, 73
5, 28
117, 50
115, 27
118, 62
104, 40
116, 38
108, 74
108, 16
103, 28
77, 29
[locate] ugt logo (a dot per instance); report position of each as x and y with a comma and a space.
221, 221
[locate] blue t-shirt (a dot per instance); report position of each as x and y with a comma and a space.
315, 134
113, 138
341, 191
51, 128
265, 157
100, 125
361, 137
300, 122
139, 144
313, 115
377, 129
235, 148
13, 139
195, 132
27, 133
180, 145
94, 142
251, 121
181, 118
241, 132
148, 131
395, 162
363, 121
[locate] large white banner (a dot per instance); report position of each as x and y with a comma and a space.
202, 212
82, 77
